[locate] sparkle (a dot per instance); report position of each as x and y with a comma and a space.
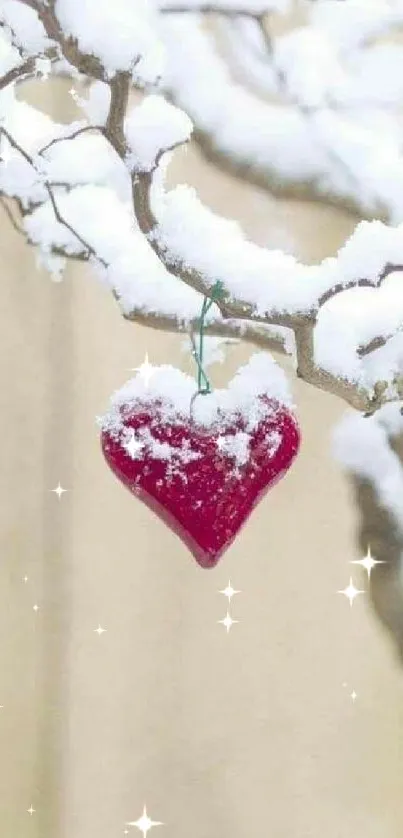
59, 491
99, 630
228, 622
368, 563
353, 695
146, 370
351, 592
144, 824
133, 447
229, 591
35, 607
31, 810
25, 578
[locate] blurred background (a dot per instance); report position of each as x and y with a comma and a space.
254, 731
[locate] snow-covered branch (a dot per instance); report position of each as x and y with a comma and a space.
340, 99
162, 251
250, 8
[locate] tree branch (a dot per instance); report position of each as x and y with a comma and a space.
301, 325
243, 162
83, 62
240, 316
72, 136
25, 69
209, 9
49, 188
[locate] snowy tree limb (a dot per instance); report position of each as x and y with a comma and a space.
20, 72
267, 296
84, 63
211, 8
94, 191
340, 154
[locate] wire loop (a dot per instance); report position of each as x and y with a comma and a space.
203, 383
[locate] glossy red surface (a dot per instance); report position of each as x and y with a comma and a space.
205, 501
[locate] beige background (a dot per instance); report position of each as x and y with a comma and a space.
221, 735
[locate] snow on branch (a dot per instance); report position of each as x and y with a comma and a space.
353, 22
98, 39
94, 191
339, 103
252, 8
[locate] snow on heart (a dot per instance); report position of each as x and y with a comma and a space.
202, 465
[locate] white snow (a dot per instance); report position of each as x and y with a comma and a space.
251, 6
169, 398
311, 68
96, 105
357, 155
24, 25
273, 441
352, 22
144, 440
361, 445
310, 62
120, 33
175, 389
354, 152
236, 446
269, 280
152, 127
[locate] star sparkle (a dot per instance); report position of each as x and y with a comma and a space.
368, 562
351, 592
229, 591
145, 370
31, 810
99, 630
59, 491
228, 622
144, 824
133, 447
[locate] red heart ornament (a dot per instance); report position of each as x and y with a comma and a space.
201, 474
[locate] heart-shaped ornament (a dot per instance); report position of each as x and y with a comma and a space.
202, 470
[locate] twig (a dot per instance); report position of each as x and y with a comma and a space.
301, 325
48, 186
234, 310
72, 136
209, 9
18, 72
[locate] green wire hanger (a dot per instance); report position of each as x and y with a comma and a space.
216, 294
